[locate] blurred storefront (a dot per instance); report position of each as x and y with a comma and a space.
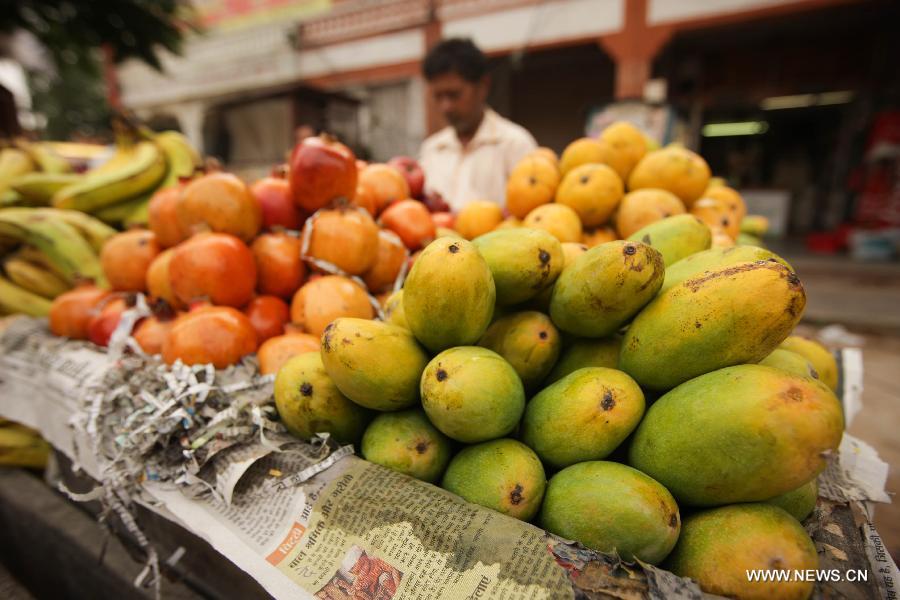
780, 95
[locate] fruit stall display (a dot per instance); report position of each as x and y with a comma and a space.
612, 357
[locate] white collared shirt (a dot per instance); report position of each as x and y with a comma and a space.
480, 170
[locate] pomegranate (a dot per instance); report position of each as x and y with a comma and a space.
411, 221
412, 172
280, 271
323, 299
219, 202
388, 262
385, 185
214, 266
276, 351
217, 335
125, 258
71, 311
268, 315
163, 217
103, 322
274, 197
346, 237
321, 170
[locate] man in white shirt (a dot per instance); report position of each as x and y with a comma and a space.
472, 157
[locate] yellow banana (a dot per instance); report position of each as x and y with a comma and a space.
21, 446
45, 157
16, 299
14, 162
38, 187
94, 231
36, 257
182, 159
10, 197
139, 216
76, 151
63, 245
117, 213
142, 173
34, 278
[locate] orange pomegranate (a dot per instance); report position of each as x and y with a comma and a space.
279, 269
106, 317
214, 266
600, 235
365, 198
443, 219
125, 258
322, 170
477, 218
151, 332
268, 315
322, 300
532, 182
411, 221
219, 202
217, 335
276, 351
273, 194
385, 184
388, 262
72, 310
162, 217
345, 236
159, 282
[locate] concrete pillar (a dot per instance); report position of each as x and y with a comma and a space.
633, 50
190, 117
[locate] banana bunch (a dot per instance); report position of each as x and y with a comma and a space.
22, 446
46, 251
23, 167
119, 190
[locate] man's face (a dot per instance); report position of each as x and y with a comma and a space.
461, 102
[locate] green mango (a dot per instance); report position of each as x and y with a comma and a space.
732, 315
472, 394
406, 441
675, 237
799, 503
504, 475
712, 259
448, 298
375, 364
528, 341
611, 507
308, 402
581, 353
741, 434
819, 357
583, 416
790, 362
605, 287
718, 547
523, 261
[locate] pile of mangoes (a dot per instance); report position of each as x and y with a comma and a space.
644, 396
